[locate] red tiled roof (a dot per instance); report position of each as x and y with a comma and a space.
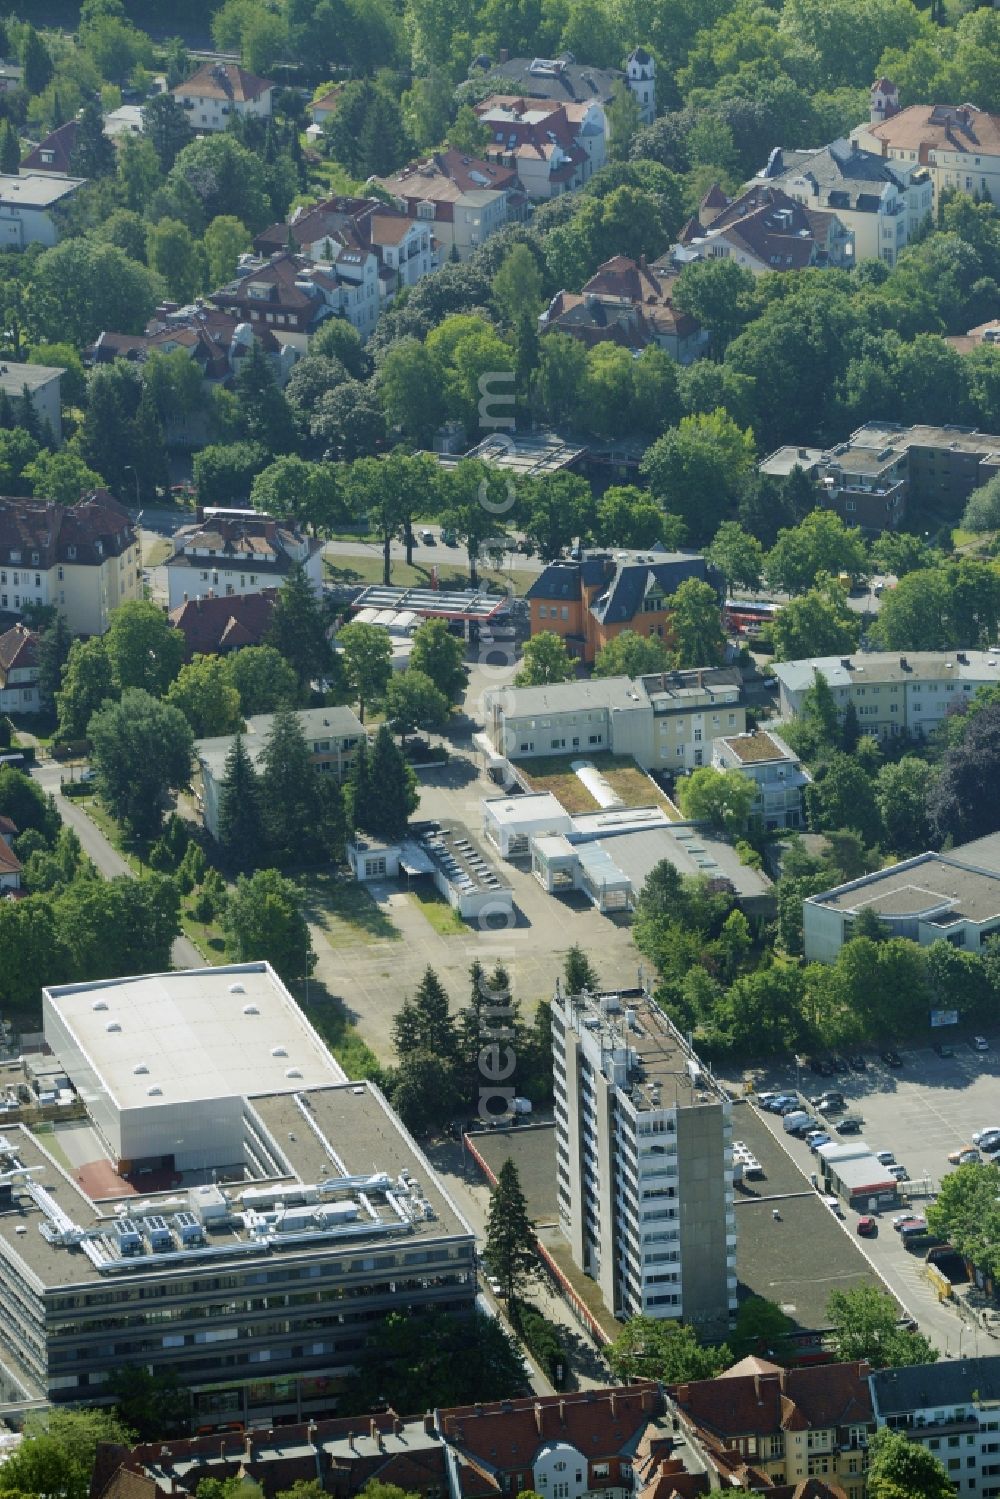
929, 127
9, 862
61, 143
217, 624
18, 647
227, 80
758, 1398
599, 1423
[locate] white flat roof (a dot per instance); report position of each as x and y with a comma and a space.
525, 811
200, 1034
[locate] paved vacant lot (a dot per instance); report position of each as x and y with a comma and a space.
920, 1112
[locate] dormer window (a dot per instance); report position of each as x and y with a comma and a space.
15, 556
71, 553
34, 559
48, 157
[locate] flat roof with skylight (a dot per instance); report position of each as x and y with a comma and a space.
199, 1034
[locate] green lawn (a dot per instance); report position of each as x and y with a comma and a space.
443, 918
346, 911
47, 1136
450, 574
207, 937
552, 773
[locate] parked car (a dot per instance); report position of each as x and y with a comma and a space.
765, 1100
943, 1049
902, 1218
789, 1106
885, 1157
913, 1228
867, 1227
898, 1173
818, 1138
981, 1136
966, 1155
857, 1061
849, 1126
802, 1128
449, 536
780, 1101
980, 1043
891, 1058
494, 1286
795, 1118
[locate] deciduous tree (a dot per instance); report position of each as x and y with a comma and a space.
141, 750
696, 625
545, 659
721, 797
367, 656
631, 655
263, 919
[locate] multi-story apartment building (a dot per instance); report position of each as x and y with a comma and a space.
892, 694
627, 302
644, 1160
403, 247
778, 775
310, 1215
559, 79
19, 670
792, 1425
957, 144
289, 295
82, 559
553, 147
871, 479
665, 722
32, 207
881, 204
461, 200
589, 602
763, 229
39, 385
238, 551
220, 90
953, 1410
332, 736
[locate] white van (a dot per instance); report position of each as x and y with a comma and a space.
794, 1120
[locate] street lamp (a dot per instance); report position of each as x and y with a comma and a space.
129, 469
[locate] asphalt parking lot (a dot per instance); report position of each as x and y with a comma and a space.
920, 1111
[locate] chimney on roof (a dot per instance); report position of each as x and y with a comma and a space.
503, 55
538, 1418
650, 1401
613, 1402
429, 1423
248, 1448
311, 1430
562, 1412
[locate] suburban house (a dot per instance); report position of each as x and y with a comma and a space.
238, 551
461, 199
562, 80
869, 479
985, 333
217, 342
53, 153
10, 868
589, 602
665, 722
553, 147
948, 897
11, 76
951, 1409
957, 144
777, 773
291, 296
790, 1424
332, 736
627, 303
403, 247
763, 229
215, 624
881, 204
218, 90
326, 106
39, 385
19, 670
30, 208
83, 559
892, 694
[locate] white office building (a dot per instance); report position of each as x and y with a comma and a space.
892, 694
644, 1160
